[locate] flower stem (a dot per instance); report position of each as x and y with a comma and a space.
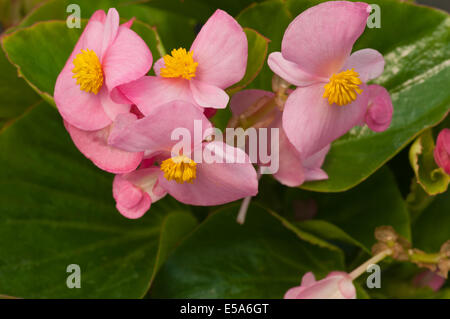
362, 268
243, 210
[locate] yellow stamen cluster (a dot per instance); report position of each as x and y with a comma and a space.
88, 71
343, 87
180, 168
180, 64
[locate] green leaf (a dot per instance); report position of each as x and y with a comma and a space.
175, 29
416, 75
328, 231
260, 17
50, 43
432, 228
201, 10
257, 54
57, 209
431, 177
354, 214
222, 259
15, 95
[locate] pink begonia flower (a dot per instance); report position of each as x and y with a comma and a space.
332, 96
164, 171
106, 55
293, 170
337, 285
428, 278
216, 60
442, 150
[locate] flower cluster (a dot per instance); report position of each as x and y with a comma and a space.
124, 120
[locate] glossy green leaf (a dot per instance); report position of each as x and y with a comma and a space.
222, 259
431, 177
416, 74
257, 54
328, 231
201, 10
57, 209
270, 18
50, 43
432, 228
175, 29
354, 214
15, 94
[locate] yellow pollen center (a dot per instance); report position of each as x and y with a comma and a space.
343, 87
180, 168
180, 64
88, 71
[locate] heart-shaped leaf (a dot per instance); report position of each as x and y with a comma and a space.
57, 210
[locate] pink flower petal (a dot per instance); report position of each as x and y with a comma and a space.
321, 38
379, 113
129, 23
220, 49
146, 179
207, 95
313, 164
149, 92
442, 150
127, 59
290, 71
79, 108
111, 26
311, 123
308, 279
154, 132
158, 65
131, 201
293, 292
290, 168
111, 108
217, 183
368, 63
290, 172
243, 99
93, 144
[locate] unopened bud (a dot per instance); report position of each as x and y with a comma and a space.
386, 234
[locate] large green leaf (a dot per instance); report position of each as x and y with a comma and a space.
200, 10
354, 214
15, 95
417, 74
50, 44
222, 259
57, 209
176, 30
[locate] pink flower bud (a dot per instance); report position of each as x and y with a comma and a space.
430, 279
442, 150
337, 285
